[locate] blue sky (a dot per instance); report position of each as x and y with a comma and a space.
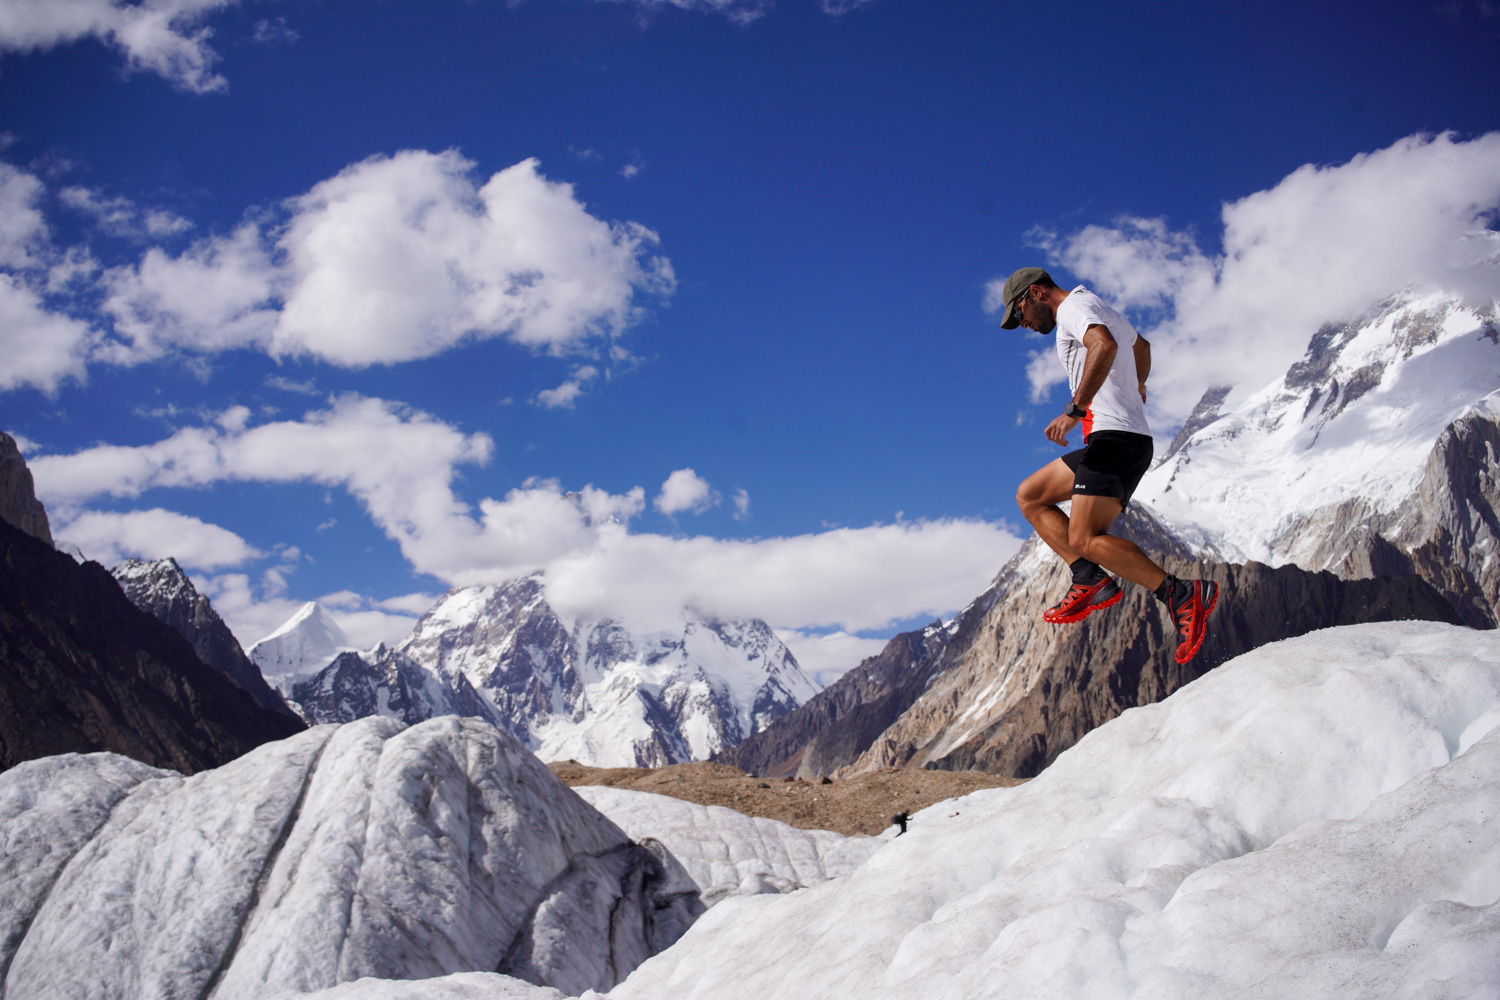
684, 302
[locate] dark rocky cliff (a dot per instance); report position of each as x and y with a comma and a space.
163, 590
836, 725
18, 503
83, 669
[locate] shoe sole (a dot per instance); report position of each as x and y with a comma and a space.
1207, 610
1080, 616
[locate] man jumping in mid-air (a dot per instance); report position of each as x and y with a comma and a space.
1107, 364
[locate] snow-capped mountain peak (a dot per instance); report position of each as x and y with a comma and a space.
600, 691
1355, 420
597, 691
306, 643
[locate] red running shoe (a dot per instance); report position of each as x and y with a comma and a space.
1083, 600
1190, 607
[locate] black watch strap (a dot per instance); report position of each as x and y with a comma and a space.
1075, 411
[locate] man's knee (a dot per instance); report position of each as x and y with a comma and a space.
1081, 539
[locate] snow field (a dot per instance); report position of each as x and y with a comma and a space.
1320, 817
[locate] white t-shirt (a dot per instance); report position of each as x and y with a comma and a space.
1117, 406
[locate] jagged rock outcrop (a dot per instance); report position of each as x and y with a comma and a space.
1447, 531
1021, 691
364, 850
163, 590
1006, 692
18, 503
384, 682
83, 669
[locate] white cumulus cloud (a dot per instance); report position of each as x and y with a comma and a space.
156, 36
685, 490
1321, 246
41, 348
394, 259
402, 257
110, 538
565, 395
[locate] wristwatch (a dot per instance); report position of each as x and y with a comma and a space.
1075, 411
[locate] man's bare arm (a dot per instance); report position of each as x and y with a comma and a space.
1102, 348
1142, 362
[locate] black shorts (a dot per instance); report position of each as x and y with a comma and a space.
1110, 464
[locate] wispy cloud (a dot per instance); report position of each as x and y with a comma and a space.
566, 395
274, 31
740, 11
1321, 246
119, 216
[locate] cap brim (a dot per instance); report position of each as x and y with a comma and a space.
1010, 320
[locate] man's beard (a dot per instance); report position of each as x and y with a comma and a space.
1043, 318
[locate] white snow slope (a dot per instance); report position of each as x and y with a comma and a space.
728, 853
1317, 818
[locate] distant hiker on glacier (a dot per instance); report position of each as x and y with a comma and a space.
1109, 398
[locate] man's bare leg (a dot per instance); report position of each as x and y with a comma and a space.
1038, 497
1088, 524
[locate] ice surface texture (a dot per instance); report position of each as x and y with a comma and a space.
1318, 818
728, 853
366, 850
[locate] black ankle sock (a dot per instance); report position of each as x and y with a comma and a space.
1164, 592
1086, 572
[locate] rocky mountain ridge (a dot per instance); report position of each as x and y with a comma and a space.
1375, 454
304, 644
163, 590
83, 669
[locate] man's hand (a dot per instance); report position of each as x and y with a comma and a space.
1143, 392
1057, 431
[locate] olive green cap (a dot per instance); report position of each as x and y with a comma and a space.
1014, 286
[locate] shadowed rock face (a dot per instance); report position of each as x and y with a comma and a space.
83, 669
1447, 531
18, 503
837, 724
1002, 691
162, 589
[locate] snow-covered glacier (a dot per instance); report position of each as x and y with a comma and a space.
1318, 818
367, 850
